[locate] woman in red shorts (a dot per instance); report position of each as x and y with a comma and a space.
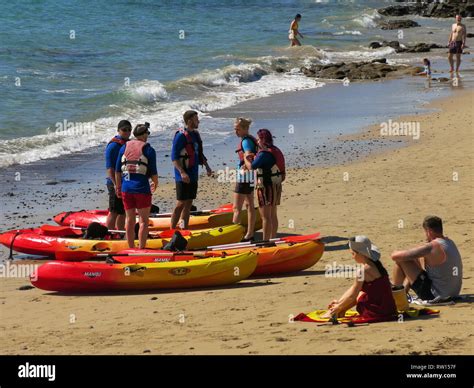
136, 165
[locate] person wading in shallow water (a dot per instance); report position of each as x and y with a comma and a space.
136, 165
116, 216
294, 31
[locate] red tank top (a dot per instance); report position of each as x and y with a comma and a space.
377, 300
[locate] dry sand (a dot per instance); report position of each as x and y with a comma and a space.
252, 317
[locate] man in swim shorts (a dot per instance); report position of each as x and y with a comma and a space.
456, 43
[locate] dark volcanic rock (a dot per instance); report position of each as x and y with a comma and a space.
417, 48
401, 10
353, 71
397, 24
420, 48
429, 8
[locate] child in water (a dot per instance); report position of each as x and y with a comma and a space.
427, 68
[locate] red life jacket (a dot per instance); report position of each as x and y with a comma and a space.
188, 154
277, 173
133, 161
117, 140
240, 150
279, 160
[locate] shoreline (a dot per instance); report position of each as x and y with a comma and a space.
75, 182
399, 184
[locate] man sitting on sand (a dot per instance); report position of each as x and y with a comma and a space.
433, 270
456, 43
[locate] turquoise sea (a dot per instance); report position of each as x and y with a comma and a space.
92, 63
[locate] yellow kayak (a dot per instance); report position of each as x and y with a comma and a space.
92, 277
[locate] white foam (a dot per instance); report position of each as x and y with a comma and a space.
163, 117
146, 91
348, 33
368, 20
231, 74
358, 55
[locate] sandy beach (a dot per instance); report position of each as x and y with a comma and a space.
373, 196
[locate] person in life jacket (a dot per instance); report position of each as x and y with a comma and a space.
269, 166
136, 166
187, 155
116, 216
244, 187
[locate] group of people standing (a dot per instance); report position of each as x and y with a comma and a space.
132, 177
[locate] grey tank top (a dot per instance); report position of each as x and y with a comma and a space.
447, 277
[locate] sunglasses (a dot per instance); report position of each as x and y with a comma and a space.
125, 129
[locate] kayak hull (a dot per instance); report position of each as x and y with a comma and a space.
36, 242
86, 277
83, 218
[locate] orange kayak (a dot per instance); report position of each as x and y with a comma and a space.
283, 256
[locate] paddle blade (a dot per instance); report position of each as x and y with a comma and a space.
297, 239
170, 232
223, 208
59, 231
73, 255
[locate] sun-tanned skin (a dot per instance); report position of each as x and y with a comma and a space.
458, 34
411, 262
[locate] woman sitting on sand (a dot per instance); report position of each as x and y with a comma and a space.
269, 167
371, 292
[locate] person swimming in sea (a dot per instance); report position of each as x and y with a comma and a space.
294, 32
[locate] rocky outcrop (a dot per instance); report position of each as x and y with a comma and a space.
417, 48
447, 9
397, 24
376, 69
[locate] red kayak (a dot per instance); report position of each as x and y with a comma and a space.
198, 219
51, 240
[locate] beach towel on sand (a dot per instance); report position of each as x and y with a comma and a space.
353, 317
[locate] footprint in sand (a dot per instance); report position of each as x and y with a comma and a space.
243, 346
